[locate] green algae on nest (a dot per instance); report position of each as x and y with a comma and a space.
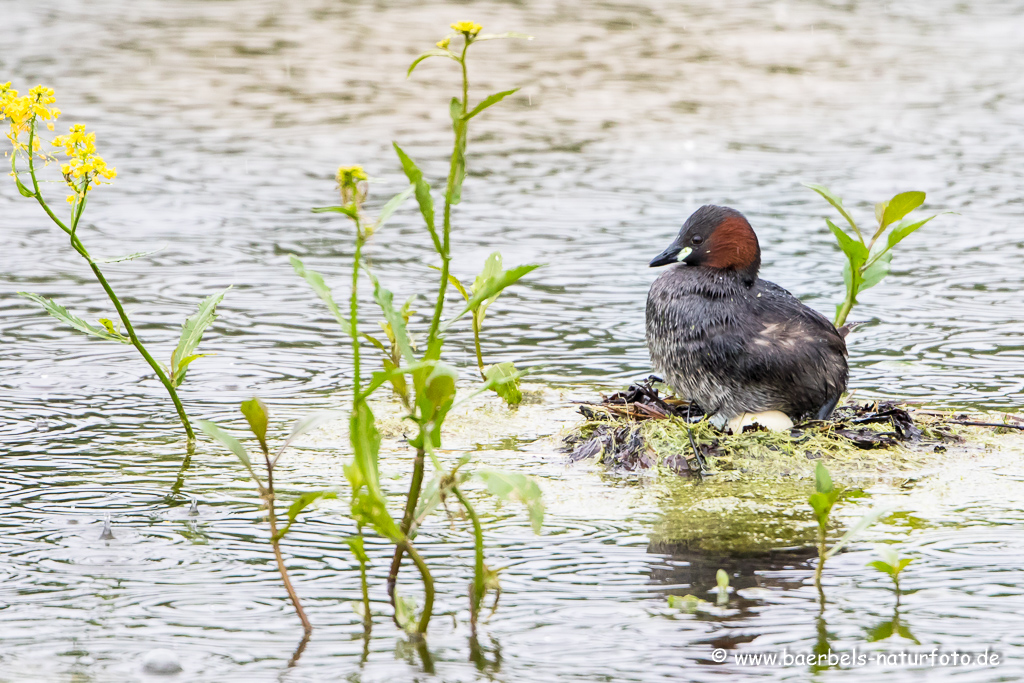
636, 429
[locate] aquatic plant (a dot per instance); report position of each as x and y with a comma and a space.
83, 170
891, 564
868, 260
722, 579
423, 382
257, 415
822, 501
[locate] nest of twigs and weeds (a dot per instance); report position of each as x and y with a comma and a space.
638, 429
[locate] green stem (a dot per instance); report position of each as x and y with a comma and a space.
476, 342
445, 254
821, 565
844, 310
268, 496
407, 516
428, 587
367, 618
477, 593
354, 310
76, 243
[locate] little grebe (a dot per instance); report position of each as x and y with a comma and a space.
731, 342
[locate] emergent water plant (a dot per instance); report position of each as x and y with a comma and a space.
822, 501
869, 259
82, 171
258, 417
891, 564
413, 365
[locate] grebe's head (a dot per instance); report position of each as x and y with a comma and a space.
715, 237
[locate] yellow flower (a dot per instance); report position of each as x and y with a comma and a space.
467, 28
23, 111
350, 174
83, 161
443, 43
349, 179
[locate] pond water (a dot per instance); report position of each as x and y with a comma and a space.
226, 120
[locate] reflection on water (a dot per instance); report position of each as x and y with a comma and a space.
225, 120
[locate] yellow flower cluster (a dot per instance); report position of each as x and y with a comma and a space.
444, 42
23, 111
348, 179
82, 160
467, 28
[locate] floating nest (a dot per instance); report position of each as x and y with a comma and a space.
638, 429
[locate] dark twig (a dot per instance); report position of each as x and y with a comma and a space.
985, 424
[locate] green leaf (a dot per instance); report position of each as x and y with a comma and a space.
496, 36
454, 282
835, 201
397, 378
822, 479
61, 313
458, 172
437, 52
405, 612
192, 333
307, 499
392, 205
390, 373
108, 325
505, 382
880, 212
863, 523
820, 504
423, 198
491, 270
687, 603
512, 486
228, 441
900, 205
256, 413
373, 340
316, 281
722, 578
308, 423
350, 210
904, 229
874, 273
25, 192
490, 100
440, 385
883, 567
888, 555
365, 447
490, 287
129, 257
855, 250
355, 543
385, 299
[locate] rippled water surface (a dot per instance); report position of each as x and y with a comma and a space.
225, 121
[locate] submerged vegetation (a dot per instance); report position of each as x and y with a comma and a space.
82, 170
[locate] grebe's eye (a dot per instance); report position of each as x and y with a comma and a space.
696, 239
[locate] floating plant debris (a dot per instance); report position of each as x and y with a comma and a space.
638, 429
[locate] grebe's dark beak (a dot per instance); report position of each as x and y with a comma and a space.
674, 254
